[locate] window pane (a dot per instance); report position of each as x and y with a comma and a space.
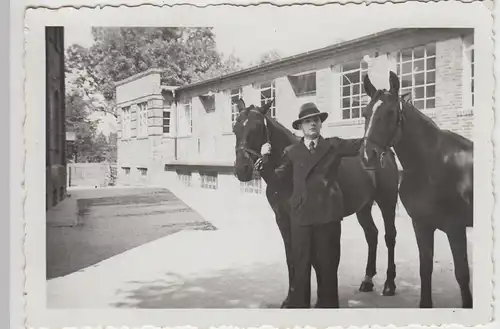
346, 103
166, 122
419, 79
430, 103
419, 92
346, 114
419, 52
345, 81
355, 101
431, 63
356, 89
355, 112
353, 77
430, 91
166, 129
431, 77
419, 104
472, 86
406, 55
265, 85
418, 66
346, 91
406, 81
166, 114
266, 93
431, 49
407, 68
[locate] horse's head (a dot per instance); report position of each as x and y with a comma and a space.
382, 120
251, 131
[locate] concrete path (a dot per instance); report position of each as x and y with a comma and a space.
241, 264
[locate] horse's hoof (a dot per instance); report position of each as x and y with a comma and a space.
389, 290
366, 286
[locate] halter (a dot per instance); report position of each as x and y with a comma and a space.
268, 137
395, 138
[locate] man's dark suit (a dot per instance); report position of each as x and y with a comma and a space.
316, 214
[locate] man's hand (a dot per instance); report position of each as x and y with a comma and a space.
264, 150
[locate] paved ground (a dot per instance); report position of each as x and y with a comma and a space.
241, 264
112, 221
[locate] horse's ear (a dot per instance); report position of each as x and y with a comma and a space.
369, 88
406, 97
265, 108
394, 83
241, 105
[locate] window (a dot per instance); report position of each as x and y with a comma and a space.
126, 170
236, 94
126, 122
209, 180
143, 171
142, 119
469, 72
253, 186
184, 177
185, 118
267, 94
303, 84
166, 121
353, 95
417, 74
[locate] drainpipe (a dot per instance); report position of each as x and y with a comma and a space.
176, 124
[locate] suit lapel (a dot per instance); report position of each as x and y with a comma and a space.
321, 150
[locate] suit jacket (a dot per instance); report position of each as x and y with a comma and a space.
316, 198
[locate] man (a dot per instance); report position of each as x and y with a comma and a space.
316, 206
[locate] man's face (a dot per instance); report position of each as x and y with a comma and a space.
311, 127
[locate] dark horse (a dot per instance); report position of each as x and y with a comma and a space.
360, 187
437, 183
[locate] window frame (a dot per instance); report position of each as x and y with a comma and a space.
425, 71
126, 123
234, 105
209, 184
185, 121
142, 119
297, 79
264, 100
360, 94
469, 73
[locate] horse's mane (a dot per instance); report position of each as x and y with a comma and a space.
291, 136
420, 114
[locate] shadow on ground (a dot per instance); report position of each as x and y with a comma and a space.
262, 286
109, 225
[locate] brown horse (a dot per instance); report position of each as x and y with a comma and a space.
360, 188
437, 182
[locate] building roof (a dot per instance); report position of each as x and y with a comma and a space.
306, 56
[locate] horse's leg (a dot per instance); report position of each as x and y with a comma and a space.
458, 244
388, 209
425, 241
365, 219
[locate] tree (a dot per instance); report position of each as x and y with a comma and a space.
269, 56
185, 55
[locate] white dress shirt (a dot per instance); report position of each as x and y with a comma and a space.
307, 142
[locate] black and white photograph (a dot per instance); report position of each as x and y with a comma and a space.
254, 159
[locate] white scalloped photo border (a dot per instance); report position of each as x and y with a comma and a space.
28, 185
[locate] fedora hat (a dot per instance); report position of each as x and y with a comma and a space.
309, 110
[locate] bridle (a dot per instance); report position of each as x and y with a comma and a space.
267, 134
396, 134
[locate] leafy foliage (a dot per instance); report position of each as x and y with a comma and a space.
186, 55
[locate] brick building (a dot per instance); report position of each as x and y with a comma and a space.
55, 139
184, 134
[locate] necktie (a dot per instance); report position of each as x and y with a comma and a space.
311, 147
